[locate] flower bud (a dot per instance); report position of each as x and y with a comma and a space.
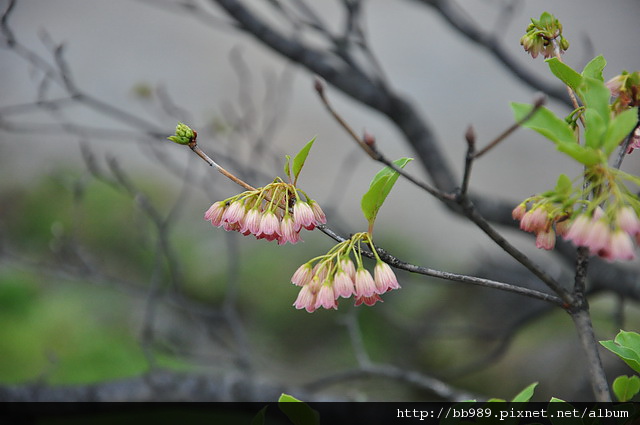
184, 135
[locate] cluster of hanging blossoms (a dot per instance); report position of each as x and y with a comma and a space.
328, 277
274, 212
607, 224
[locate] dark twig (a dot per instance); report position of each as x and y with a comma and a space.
417, 379
395, 262
537, 104
370, 148
624, 147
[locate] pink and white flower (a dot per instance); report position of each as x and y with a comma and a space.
269, 226
342, 285
579, 230
384, 278
325, 297
303, 275
628, 221
318, 214
306, 299
287, 231
365, 285
620, 247
234, 213
215, 212
303, 216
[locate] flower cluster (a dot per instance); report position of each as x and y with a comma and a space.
544, 36
335, 275
607, 224
274, 212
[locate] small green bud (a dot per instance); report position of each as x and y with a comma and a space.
184, 135
564, 44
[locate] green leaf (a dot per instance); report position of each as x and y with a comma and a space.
626, 345
586, 156
258, 419
287, 166
594, 129
565, 73
618, 129
594, 68
379, 189
526, 394
300, 158
546, 123
595, 95
298, 412
563, 187
625, 387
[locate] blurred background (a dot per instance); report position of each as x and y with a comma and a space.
108, 272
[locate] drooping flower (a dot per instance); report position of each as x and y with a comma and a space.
384, 278
546, 239
579, 230
234, 213
306, 299
365, 285
303, 275
628, 221
342, 285
325, 297
620, 248
287, 231
318, 214
519, 212
534, 220
349, 268
269, 226
598, 236
303, 216
214, 213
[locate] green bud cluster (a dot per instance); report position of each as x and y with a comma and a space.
184, 135
544, 35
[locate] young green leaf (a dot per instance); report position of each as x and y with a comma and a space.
379, 189
594, 68
526, 394
594, 129
626, 387
563, 186
546, 123
626, 345
298, 412
287, 166
618, 129
595, 95
583, 155
300, 158
565, 73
